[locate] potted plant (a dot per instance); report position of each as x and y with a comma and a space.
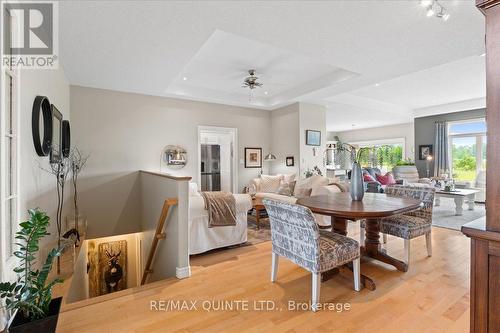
31, 295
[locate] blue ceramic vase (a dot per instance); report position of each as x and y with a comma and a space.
357, 186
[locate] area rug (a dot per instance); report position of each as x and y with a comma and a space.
263, 234
444, 215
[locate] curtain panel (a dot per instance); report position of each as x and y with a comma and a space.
441, 163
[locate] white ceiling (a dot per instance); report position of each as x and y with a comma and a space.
148, 46
217, 71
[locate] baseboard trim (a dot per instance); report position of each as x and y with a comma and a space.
183, 272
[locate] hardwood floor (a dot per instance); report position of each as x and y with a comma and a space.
433, 296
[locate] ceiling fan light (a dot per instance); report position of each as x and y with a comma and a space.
445, 17
425, 3
430, 12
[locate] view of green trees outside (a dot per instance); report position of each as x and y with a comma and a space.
464, 158
384, 157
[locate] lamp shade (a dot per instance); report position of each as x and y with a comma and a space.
269, 157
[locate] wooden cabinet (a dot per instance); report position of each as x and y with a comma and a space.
485, 236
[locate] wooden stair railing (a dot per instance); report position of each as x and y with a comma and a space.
159, 234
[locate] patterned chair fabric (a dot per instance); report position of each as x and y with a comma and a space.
412, 224
296, 236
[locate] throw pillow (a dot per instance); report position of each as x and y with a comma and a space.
288, 177
269, 184
286, 188
302, 193
387, 179
368, 178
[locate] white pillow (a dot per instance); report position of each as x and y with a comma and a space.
270, 184
288, 178
193, 190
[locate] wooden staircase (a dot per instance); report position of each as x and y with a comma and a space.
159, 234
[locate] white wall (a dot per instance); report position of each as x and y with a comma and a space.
285, 138
312, 117
405, 131
125, 132
36, 187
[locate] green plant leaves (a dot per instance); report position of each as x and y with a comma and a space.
31, 294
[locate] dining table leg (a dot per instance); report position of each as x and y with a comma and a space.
339, 226
372, 246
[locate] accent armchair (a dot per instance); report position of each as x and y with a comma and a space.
296, 236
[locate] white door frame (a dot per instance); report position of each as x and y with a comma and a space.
221, 130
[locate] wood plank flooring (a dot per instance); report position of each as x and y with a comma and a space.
433, 296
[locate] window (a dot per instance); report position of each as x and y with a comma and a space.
467, 148
8, 158
383, 154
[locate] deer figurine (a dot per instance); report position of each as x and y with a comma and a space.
114, 273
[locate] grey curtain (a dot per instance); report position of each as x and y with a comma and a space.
441, 162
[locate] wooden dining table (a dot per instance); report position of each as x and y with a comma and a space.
372, 208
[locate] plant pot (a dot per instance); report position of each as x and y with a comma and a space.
357, 185
48, 324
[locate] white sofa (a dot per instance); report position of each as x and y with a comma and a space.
201, 237
315, 185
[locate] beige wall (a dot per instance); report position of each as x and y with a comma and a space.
288, 137
312, 117
405, 131
125, 132
285, 139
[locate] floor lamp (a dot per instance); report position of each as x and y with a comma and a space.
268, 158
428, 161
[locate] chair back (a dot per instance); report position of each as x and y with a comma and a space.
423, 193
294, 232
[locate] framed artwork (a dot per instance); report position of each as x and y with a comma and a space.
290, 161
111, 267
253, 157
424, 151
313, 138
56, 148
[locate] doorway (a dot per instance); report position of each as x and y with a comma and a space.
217, 167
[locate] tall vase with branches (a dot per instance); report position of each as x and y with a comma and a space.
61, 171
78, 160
357, 190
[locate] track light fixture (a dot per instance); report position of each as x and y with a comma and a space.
434, 8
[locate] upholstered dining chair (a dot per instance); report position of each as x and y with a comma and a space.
408, 225
295, 235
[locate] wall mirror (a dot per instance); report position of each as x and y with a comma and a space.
41, 125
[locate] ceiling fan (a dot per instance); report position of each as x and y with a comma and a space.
251, 81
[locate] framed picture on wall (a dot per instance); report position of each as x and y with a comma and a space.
253, 157
290, 161
56, 148
313, 138
424, 151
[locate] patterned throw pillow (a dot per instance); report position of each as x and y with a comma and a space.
270, 184
286, 188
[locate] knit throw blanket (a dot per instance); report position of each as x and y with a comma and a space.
221, 207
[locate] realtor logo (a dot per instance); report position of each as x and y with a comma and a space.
29, 33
